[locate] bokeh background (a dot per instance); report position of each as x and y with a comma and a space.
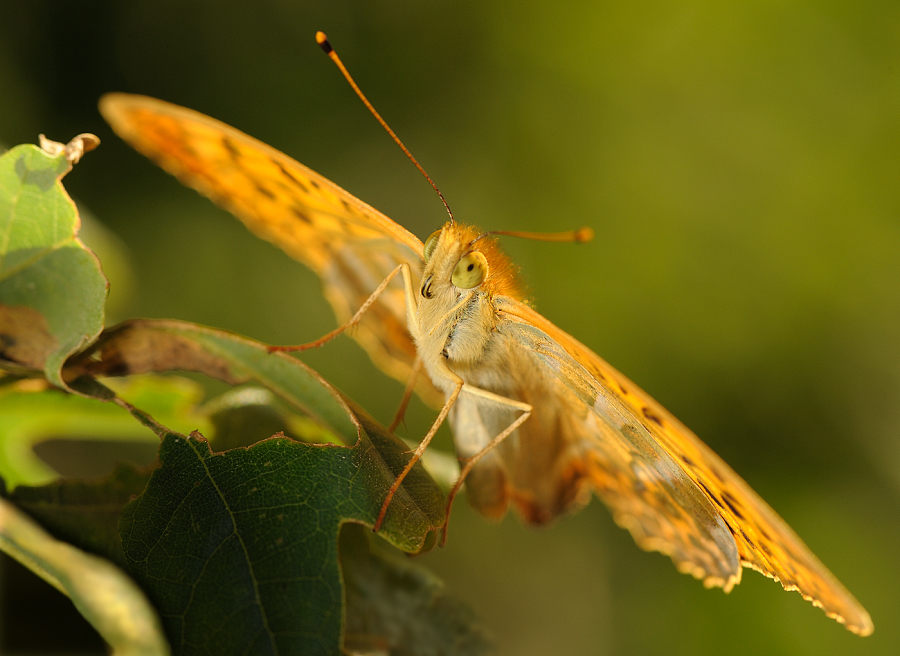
739, 162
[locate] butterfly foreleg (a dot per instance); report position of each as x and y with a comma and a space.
471, 461
417, 364
417, 454
412, 319
407, 393
355, 319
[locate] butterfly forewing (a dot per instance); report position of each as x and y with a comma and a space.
350, 245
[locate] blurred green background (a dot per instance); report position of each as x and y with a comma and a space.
739, 162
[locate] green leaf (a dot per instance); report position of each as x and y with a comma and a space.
238, 550
145, 345
398, 607
85, 513
51, 288
27, 417
244, 416
102, 592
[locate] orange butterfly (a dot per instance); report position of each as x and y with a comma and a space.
572, 423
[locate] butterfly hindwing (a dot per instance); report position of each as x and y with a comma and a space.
762, 540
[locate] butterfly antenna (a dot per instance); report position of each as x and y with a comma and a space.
579, 236
322, 40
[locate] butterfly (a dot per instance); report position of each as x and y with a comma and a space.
572, 424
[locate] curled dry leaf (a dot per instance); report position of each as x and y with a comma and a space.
74, 150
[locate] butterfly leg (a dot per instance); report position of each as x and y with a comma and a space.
417, 454
407, 393
355, 319
471, 461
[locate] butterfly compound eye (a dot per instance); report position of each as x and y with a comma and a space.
470, 271
431, 244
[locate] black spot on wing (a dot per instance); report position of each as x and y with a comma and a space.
300, 214
711, 495
652, 416
732, 504
232, 150
260, 189
290, 176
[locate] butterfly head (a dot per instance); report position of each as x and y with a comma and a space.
460, 258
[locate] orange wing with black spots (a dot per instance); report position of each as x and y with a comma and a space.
350, 245
672, 491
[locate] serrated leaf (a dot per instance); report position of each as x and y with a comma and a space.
238, 550
102, 592
52, 290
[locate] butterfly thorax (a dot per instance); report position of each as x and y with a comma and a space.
456, 324
463, 331
458, 327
